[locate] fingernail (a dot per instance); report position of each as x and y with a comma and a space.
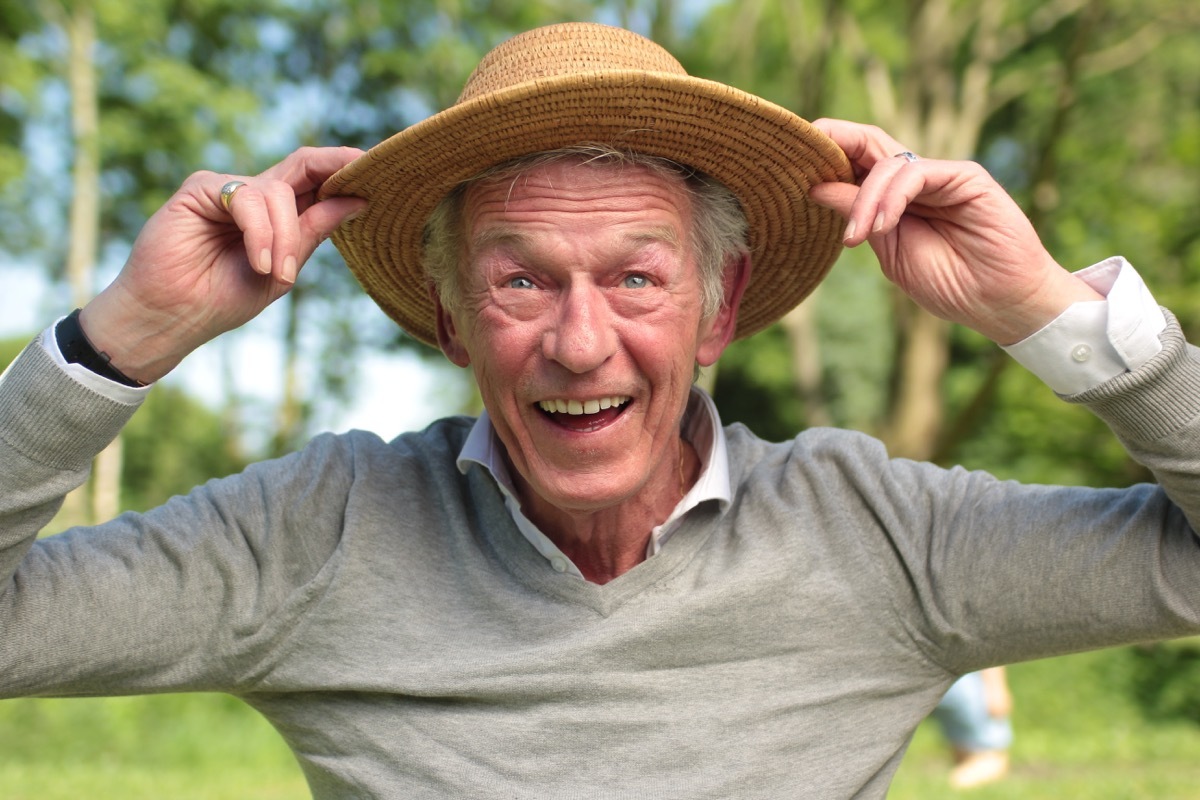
264, 262
879, 220
289, 270
850, 228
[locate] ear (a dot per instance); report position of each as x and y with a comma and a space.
723, 325
447, 333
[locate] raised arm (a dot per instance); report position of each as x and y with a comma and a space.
164, 599
202, 266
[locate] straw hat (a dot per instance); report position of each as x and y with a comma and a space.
588, 83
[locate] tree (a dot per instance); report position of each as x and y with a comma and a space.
956, 80
70, 58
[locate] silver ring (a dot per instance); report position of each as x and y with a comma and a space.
228, 190
906, 155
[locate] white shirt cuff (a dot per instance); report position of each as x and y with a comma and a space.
1092, 342
117, 392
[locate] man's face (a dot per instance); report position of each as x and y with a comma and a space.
581, 317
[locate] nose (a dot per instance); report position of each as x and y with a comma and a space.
581, 336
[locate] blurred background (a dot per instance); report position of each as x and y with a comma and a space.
1088, 111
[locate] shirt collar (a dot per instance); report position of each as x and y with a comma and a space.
701, 427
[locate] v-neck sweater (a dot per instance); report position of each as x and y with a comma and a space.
382, 610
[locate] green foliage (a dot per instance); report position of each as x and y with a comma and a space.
755, 384
1093, 124
172, 444
202, 747
10, 348
1165, 680
1029, 434
1078, 732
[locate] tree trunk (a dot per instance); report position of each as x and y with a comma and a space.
79, 22
916, 419
800, 324
937, 108
291, 416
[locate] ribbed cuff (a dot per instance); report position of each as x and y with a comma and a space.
1156, 400
48, 417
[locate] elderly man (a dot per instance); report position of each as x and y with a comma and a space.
594, 588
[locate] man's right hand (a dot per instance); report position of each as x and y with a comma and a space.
198, 270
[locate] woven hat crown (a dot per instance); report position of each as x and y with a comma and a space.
566, 49
586, 83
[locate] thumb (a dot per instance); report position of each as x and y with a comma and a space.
324, 217
834, 195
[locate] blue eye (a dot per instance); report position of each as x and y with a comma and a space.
636, 282
520, 283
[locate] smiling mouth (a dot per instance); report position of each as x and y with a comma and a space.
584, 415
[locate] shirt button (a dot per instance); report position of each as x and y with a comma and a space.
1081, 353
559, 563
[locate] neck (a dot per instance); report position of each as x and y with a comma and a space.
608, 542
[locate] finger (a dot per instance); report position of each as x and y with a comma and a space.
296, 230
887, 193
277, 235
835, 195
249, 210
294, 182
285, 233
309, 167
877, 205
864, 145
320, 220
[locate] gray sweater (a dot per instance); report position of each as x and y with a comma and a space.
384, 613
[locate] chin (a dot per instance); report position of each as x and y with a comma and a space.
581, 492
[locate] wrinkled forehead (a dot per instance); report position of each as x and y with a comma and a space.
575, 186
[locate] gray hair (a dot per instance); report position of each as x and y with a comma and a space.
719, 231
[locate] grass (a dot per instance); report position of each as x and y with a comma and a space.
185, 747
1083, 729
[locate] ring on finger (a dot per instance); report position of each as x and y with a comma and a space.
228, 190
907, 155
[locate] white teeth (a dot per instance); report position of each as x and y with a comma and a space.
577, 407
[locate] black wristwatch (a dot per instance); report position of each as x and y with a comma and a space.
76, 349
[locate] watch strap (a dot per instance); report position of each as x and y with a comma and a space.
78, 349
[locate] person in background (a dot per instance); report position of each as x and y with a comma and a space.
975, 717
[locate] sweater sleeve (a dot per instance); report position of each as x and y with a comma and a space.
195, 595
1155, 412
991, 572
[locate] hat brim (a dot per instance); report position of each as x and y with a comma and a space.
766, 155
